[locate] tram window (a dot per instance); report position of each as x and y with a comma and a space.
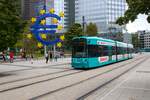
97, 51
79, 51
126, 50
93, 51
105, 50
113, 50
119, 50
101, 51
123, 50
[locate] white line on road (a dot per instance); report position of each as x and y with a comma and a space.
135, 88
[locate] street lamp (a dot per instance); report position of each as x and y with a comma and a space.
83, 25
45, 51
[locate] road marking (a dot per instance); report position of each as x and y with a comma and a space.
135, 88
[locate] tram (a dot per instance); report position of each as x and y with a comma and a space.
92, 52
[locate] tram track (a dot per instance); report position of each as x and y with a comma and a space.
38, 76
53, 78
104, 84
77, 83
25, 85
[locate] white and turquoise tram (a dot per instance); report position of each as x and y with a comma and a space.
92, 52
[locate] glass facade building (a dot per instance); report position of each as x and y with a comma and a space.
102, 12
58, 5
69, 10
31, 8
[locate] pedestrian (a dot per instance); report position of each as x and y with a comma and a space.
3, 55
62, 54
46, 57
56, 56
11, 57
25, 56
51, 56
31, 59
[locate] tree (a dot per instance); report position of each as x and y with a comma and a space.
135, 7
135, 41
91, 29
11, 23
74, 31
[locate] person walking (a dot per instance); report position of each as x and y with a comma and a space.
56, 56
3, 55
46, 57
11, 56
51, 56
31, 58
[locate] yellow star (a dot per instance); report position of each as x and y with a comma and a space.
59, 27
40, 45
42, 11
52, 10
54, 21
29, 36
43, 22
33, 20
43, 36
61, 14
62, 37
59, 44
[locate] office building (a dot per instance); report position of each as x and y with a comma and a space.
141, 37
69, 10
31, 8
144, 40
147, 40
102, 12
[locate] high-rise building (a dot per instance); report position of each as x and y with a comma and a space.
31, 8
58, 5
69, 10
144, 40
141, 37
102, 12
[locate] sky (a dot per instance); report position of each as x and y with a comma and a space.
139, 24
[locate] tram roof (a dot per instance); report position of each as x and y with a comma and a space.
97, 38
120, 44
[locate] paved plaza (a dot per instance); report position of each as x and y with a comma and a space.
127, 80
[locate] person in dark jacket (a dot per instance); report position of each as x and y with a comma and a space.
46, 57
51, 56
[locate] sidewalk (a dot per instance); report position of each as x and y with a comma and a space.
41, 62
136, 86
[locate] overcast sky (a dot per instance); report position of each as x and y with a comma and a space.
139, 24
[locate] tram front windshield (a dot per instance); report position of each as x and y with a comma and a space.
79, 48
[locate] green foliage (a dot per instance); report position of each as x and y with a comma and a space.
11, 23
135, 41
91, 29
136, 7
74, 31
